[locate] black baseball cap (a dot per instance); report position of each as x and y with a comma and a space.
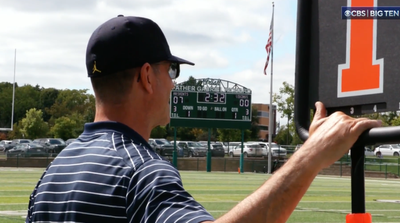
126, 42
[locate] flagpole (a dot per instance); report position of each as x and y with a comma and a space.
271, 107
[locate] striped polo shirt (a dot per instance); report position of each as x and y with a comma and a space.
111, 174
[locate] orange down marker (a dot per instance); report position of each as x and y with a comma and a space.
361, 74
359, 218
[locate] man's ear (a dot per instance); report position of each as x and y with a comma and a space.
147, 78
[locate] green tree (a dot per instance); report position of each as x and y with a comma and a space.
192, 82
16, 132
48, 97
33, 125
389, 117
283, 136
90, 110
395, 122
6, 90
158, 132
70, 101
233, 135
185, 133
67, 127
285, 104
229, 135
26, 97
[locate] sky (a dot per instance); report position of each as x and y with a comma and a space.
225, 39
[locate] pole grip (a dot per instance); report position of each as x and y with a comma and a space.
359, 218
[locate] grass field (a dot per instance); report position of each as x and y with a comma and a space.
327, 200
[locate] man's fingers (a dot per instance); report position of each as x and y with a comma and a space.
364, 124
320, 111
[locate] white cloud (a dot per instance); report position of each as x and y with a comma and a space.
225, 39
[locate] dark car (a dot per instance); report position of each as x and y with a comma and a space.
51, 145
69, 141
192, 148
15, 142
27, 150
168, 149
217, 150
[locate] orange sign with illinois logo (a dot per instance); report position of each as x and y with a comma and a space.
362, 74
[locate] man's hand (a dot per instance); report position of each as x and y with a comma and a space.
331, 137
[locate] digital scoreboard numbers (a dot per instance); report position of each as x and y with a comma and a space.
210, 107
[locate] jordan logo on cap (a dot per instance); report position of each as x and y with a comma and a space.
95, 68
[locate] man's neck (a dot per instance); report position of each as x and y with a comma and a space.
132, 118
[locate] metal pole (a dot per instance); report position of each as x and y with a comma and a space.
270, 125
13, 99
241, 153
174, 154
209, 151
357, 179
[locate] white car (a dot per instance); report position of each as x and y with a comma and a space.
231, 146
249, 149
277, 150
387, 150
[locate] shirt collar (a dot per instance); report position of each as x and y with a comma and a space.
102, 126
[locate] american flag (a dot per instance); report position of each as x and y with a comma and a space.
268, 47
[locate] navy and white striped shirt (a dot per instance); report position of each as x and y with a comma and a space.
111, 174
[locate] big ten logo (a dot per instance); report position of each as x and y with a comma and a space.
362, 74
375, 13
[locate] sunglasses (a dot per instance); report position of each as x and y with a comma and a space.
173, 71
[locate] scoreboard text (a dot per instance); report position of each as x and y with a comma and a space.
211, 105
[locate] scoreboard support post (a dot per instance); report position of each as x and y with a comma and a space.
209, 151
241, 153
174, 154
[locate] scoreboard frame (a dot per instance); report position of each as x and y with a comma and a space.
215, 103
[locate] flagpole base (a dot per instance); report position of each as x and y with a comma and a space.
359, 218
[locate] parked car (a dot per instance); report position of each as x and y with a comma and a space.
387, 150
27, 150
168, 149
51, 145
277, 150
193, 148
3, 144
69, 141
204, 143
226, 147
232, 145
249, 149
217, 150
15, 142
157, 143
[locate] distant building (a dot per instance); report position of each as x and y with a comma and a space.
263, 120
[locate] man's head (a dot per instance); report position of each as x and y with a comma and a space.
128, 59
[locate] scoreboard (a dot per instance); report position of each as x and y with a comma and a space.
210, 107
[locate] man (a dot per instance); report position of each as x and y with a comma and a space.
111, 174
